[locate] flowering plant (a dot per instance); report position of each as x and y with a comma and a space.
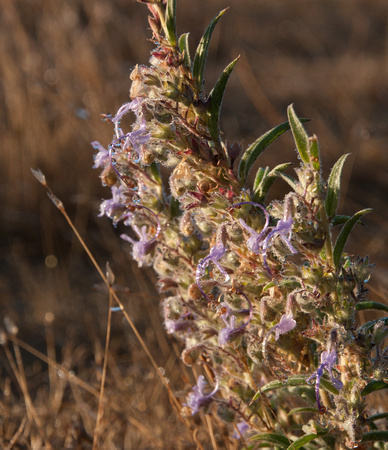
260, 294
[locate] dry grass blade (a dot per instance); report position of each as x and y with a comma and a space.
97, 430
58, 203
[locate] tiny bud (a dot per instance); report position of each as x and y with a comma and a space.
56, 201
186, 225
190, 355
109, 274
148, 157
204, 186
39, 176
194, 292
108, 176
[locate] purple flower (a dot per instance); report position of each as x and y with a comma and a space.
259, 243
328, 360
136, 137
130, 106
286, 324
227, 333
216, 253
102, 157
115, 206
141, 247
283, 229
255, 242
197, 398
182, 323
231, 330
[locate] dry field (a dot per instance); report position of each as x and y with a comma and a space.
62, 63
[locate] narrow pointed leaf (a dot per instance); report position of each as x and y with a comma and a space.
295, 380
377, 417
274, 438
184, 49
343, 236
328, 387
155, 172
215, 100
200, 56
315, 157
265, 180
171, 22
289, 180
299, 443
174, 207
375, 436
308, 409
371, 305
300, 136
333, 187
375, 385
339, 220
261, 175
254, 150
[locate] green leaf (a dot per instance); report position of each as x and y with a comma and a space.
339, 220
375, 385
299, 443
300, 136
215, 100
274, 438
171, 22
183, 44
294, 380
377, 417
254, 150
289, 180
315, 157
371, 305
343, 236
328, 387
200, 56
375, 436
174, 207
155, 172
333, 187
261, 175
264, 180
308, 409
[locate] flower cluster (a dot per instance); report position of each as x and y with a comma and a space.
234, 271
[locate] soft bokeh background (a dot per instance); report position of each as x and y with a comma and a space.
62, 63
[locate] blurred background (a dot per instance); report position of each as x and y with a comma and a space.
64, 62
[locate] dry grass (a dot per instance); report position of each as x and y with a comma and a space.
65, 62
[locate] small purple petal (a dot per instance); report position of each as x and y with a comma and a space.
102, 157
328, 360
286, 324
197, 398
